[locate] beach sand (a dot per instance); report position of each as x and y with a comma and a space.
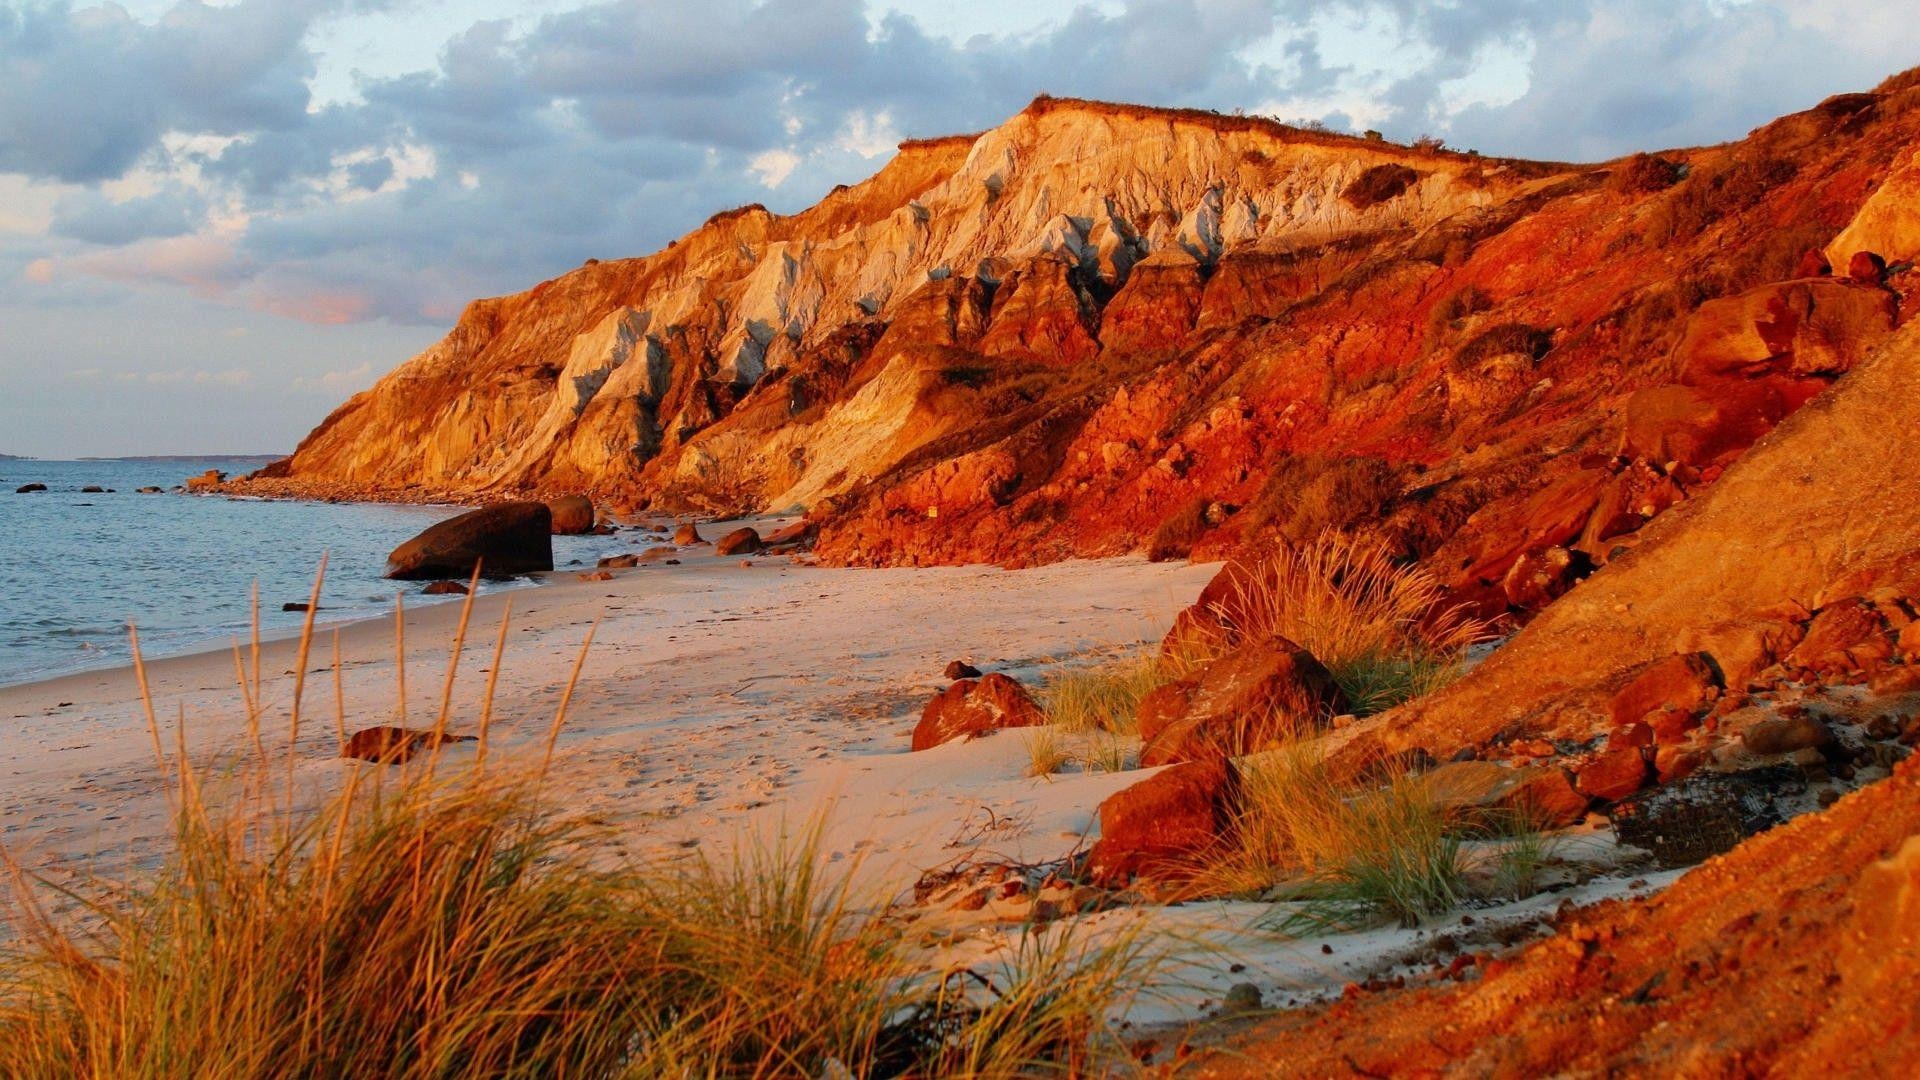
722, 701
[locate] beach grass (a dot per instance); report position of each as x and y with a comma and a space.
1104, 695
448, 918
1347, 853
1382, 629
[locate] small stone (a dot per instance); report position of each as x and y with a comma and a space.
1242, 997
1786, 734
960, 669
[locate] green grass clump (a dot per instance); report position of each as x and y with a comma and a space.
1104, 696
1345, 854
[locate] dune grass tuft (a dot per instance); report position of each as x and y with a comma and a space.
1103, 696
1381, 628
1345, 854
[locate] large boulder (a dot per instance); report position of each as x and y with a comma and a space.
502, 540
973, 706
1815, 326
29, 489
572, 515
1262, 693
744, 541
206, 481
1161, 826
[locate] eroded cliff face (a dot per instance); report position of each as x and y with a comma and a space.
1100, 328
1008, 245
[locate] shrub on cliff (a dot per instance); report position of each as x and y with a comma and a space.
1379, 184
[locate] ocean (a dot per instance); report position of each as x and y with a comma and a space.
76, 568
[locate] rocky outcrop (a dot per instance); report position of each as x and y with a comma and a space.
498, 541
1798, 536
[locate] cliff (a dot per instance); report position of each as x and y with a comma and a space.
1097, 328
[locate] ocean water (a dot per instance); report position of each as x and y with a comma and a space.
76, 568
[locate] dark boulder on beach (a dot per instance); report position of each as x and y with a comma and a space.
739, 542
687, 535
502, 540
28, 489
445, 588
390, 745
572, 515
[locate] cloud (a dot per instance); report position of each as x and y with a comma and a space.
91, 216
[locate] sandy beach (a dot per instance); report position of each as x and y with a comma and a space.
722, 701
716, 695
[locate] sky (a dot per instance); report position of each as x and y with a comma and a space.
219, 218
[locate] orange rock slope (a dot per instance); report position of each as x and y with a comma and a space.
1096, 329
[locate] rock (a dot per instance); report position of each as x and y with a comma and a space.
1702, 425
1242, 998
799, 532
1636, 735
206, 481
745, 541
1819, 326
28, 489
149, 490
1614, 774
1161, 706
687, 535
1259, 694
615, 562
93, 489
1843, 636
972, 706
503, 540
572, 515
1542, 794
1703, 815
960, 669
1786, 734
1892, 681
445, 588
1538, 578
1743, 648
596, 575
1159, 827
298, 605
1867, 268
1683, 683
661, 554
391, 745
1672, 763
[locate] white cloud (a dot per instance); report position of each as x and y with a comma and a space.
772, 167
